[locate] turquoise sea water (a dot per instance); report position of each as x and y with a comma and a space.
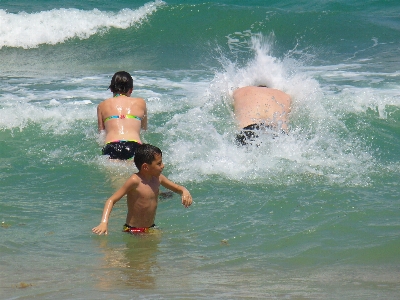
311, 215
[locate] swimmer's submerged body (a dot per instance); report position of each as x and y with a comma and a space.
260, 109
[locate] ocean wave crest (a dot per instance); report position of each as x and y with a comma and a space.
55, 26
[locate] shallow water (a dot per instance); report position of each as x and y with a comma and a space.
311, 215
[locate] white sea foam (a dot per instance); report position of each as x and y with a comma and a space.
53, 106
29, 30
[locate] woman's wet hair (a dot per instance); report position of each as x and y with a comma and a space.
145, 153
121, 83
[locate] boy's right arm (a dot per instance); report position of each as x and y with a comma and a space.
102, 227
131, 183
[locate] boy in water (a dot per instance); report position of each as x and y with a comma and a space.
142, 191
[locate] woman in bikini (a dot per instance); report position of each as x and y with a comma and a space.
121, 117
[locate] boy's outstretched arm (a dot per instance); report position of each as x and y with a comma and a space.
181, 190
103, 226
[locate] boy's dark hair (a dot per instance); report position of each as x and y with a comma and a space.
121, 82
145, 153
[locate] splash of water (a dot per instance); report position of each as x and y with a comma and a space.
319, 146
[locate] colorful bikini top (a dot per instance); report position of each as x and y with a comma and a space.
123, 117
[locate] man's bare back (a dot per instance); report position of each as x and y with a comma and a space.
261, 105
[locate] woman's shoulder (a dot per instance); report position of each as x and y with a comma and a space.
105, 101
136, 98
138, 101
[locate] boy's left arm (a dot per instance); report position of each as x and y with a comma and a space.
185, 195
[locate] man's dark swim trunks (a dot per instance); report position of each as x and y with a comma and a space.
120, 149
248, 135
136, 230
